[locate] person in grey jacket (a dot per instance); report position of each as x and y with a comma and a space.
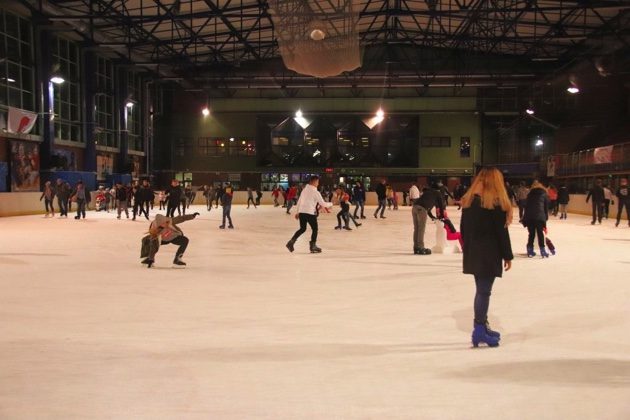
49, 196
535, 218
164, 230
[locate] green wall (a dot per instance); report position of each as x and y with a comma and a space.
453, 125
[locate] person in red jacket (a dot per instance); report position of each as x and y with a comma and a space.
291, 194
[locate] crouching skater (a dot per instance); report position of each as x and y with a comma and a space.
165, 230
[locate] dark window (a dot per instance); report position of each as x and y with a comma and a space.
464, 147
435, 141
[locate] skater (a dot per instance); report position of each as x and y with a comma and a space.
344, 214
218, 195
381, 194
184, 201
208, 194
121, 199
431, 197
405, 196
174, 197
552, 193
451, 232
62, 198
623, 200
597, 195
608, 199
459, 192
165, 230
389, 193
307, 213
290, 198
138, 202
69, 202
486, 214
259, 195
147, 195
563, 201
250, 197
445, 193
162, 200
358, 195
275, 193
49, 196
82, 196
226, 202
521, 199
535, 218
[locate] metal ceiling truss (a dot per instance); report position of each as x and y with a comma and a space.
200, 36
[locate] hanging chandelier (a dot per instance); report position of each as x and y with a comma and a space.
318, 39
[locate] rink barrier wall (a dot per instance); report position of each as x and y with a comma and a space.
25, 203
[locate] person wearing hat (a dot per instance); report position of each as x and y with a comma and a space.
165, 230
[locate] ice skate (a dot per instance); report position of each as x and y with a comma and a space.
347, 228
178, 261
314, 248
492, 333
543, 253
337, 227
480, 336
530, 252
290, 246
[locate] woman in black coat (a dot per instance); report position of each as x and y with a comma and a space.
563, 200
486, 213
535, 218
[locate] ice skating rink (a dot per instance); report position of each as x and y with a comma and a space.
365, 330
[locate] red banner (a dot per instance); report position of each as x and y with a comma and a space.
21, 121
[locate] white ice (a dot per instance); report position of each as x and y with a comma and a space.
365, 330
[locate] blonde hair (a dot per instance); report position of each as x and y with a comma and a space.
490, 186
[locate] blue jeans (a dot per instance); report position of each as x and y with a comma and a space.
381, 207
360, 204
482, 298
227, 208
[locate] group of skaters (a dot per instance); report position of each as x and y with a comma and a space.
65, 196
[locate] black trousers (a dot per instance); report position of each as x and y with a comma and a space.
606, 208
49, 203
482, 298
536, 228
305, 219
521, 208
598, 209
181, 241
138, 209
80, 208
170, 208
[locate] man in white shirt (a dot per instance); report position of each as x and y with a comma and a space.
307, 204
414, 194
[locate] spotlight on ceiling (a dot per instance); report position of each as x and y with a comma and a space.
129, 104
57, 80
205, 112
530, 111
298, 113
380, 113
573, 89
539, 142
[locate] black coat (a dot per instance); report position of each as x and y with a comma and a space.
175, 194
381, 191
563, 195
537, 206
597, 193
486, 240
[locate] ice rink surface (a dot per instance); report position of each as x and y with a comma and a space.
365, 330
